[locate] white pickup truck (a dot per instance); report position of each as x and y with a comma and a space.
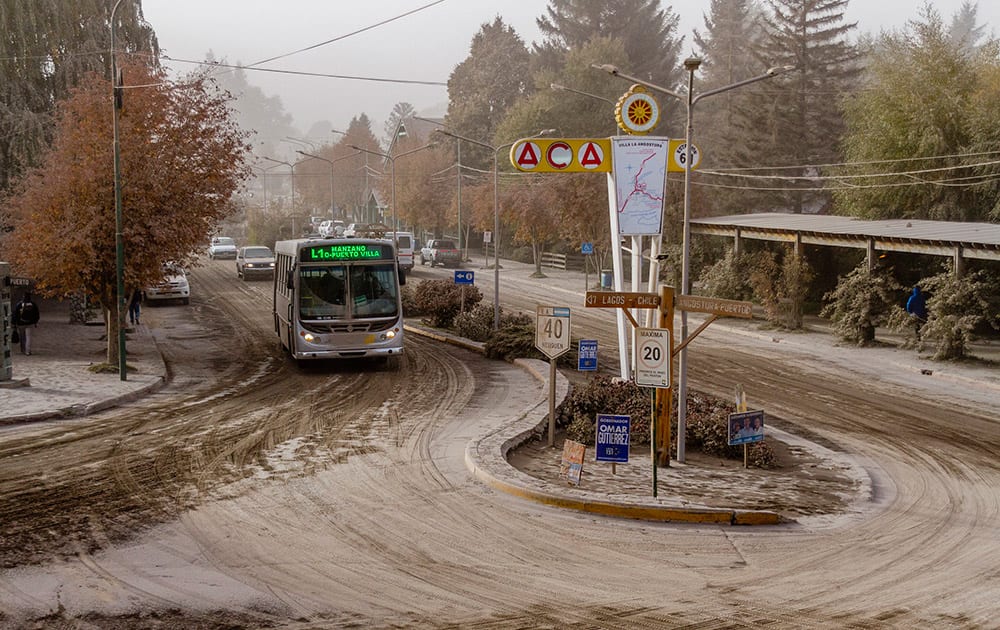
441, 251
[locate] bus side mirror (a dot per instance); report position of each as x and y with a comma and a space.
402, 275
290, 280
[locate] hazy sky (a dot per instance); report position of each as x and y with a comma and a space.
423, 46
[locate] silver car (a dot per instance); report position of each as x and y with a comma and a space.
254, 261
222, 247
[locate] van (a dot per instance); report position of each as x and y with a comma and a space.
404, 250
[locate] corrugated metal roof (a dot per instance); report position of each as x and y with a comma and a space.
977, 240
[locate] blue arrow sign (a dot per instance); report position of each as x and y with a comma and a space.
465, 277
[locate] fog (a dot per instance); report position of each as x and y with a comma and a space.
385, 59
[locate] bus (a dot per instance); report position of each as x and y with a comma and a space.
338, 298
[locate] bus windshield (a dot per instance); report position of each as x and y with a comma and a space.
347, 291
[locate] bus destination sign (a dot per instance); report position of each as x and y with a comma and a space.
345, 251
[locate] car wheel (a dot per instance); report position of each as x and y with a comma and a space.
422, 260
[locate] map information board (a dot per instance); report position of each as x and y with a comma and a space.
639, 166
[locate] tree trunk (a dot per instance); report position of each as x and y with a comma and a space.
111, 327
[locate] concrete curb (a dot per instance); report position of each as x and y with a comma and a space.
486, 459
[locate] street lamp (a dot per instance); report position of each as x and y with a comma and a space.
463, 245
690, 64
291, 203
496, 213
116, 88
333, 204
392, 176
301, 142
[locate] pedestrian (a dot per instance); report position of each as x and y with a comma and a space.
916, 306
133, 306
25, 317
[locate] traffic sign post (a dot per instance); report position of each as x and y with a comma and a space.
463, 278
552, 336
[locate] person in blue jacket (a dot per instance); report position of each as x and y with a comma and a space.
916, 306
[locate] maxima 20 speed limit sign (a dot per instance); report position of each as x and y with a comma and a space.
652, 357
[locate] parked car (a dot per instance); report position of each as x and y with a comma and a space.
174, 286
254, 261
439, 251
222, 247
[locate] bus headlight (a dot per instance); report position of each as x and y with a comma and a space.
390, 334
309, 337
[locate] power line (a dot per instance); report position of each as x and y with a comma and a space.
308, 74
346, 35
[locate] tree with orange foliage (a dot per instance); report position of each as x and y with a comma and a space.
182, 157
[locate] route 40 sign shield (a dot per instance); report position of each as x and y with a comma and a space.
552, 328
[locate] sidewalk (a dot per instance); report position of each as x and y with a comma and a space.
54, 380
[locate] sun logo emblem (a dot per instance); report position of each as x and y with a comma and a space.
637, 112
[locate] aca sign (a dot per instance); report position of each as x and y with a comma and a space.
575, 155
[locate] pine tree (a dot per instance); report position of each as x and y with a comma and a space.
485, 85
795, 119
648, 32
965, 32
732, 30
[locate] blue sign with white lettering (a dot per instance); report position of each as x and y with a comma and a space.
612, 438
587, 355
586, 248
465, 277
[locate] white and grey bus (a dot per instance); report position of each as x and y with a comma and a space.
338, 298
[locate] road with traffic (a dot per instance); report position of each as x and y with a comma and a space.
251, 492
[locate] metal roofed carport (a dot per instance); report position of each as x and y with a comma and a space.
940, 238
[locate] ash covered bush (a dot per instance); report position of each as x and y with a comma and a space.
477, 324
707, 419
955, 307
440, 301
708, 430
408, 295
862, 301
602, 394
513, 342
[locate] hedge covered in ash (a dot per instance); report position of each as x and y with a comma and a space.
707, 419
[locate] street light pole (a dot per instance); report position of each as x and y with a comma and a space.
119, 237
333, 205
690, 64
496, 213
392, 166
291, 171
